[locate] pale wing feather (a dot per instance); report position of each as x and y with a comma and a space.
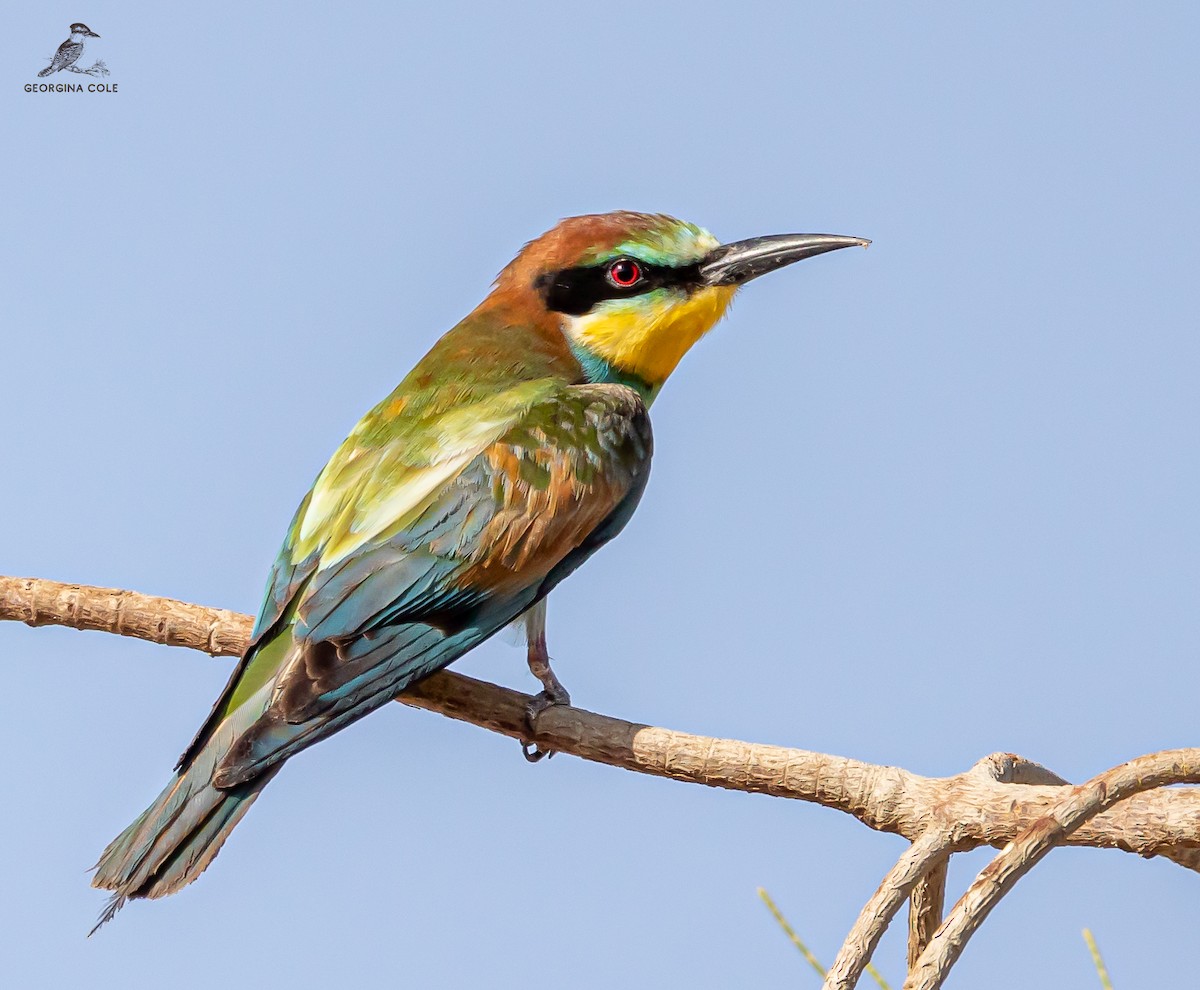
540, 500
365, 491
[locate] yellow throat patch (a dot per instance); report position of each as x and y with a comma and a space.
648, 335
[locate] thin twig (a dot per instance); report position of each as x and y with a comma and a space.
917, 860
790, 932
1097, 960
795, 939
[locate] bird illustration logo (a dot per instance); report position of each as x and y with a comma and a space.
70, 51
514, 450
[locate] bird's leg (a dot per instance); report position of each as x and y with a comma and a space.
553, 693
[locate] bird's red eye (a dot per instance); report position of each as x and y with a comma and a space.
624, 273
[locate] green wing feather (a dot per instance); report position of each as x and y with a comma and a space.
469, 529
472, 556
342, 630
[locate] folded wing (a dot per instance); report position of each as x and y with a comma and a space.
444, 572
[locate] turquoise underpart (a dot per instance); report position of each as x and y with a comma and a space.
600, 371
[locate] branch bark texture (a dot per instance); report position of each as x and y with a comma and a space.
1004, 800
994, 802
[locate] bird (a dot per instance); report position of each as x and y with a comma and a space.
70, 50
515, 448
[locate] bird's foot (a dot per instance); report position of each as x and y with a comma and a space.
553, 694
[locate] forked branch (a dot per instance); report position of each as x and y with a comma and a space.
1003, 801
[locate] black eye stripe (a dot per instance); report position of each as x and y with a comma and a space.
575, 291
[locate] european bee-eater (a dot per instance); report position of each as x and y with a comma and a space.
516, 448
69, 51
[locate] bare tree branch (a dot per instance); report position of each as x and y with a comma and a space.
925, 906
1003, 800
1177, 766
991, 800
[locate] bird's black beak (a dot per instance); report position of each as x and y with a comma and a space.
92, 34
739, 262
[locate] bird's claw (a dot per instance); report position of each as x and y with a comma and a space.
533, 752
556, 695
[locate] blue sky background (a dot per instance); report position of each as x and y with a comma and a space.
913, 505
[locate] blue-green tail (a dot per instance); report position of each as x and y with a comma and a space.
172, 842
240, 748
